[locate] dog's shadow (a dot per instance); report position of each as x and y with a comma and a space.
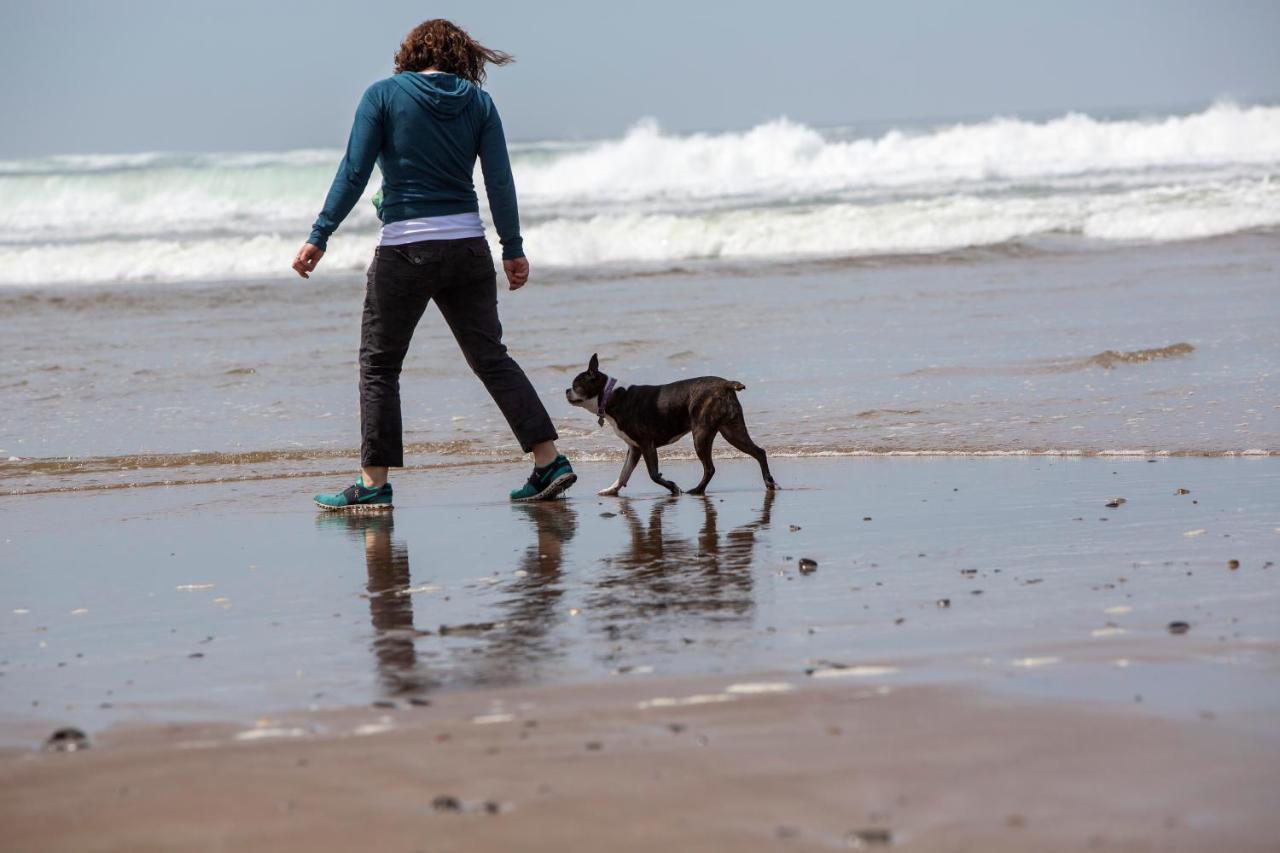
662, 573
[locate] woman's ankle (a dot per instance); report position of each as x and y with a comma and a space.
544, 453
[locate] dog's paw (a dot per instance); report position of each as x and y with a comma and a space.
696, 491
611, 492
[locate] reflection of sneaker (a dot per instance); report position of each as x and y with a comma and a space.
357, 498
357, 525
557, 519
547, 482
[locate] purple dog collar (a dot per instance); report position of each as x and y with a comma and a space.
604, 398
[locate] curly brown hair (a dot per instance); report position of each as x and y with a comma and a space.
445, 46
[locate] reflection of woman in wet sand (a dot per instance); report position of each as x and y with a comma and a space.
532, 606
387, 563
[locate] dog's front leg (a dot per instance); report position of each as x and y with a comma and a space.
651, 462
633, 458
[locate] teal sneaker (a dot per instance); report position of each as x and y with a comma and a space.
547, 482
357, 498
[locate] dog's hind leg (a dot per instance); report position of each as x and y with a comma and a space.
651, 462
633, 457
735, 432
702, 439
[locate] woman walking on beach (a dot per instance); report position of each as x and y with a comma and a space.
425, 126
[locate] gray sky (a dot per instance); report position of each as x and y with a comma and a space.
215, 75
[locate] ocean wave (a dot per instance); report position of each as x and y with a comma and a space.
781, 158
918, 226
776, 192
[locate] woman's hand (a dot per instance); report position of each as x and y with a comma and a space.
308, 256
517, 271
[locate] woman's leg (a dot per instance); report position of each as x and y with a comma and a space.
393, 304
470, 307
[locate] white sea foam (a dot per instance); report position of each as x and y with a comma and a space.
777, 191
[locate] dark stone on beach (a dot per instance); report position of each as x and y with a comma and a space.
1179, 627
1233, 564
795, 528
899, 620
594, 745
869, 837
944, 602
419, 702
383, 703
968, 572
1183, 492
866, 518
196, 655
608, 515
676, 728
975, 592
492, 807
468, 628
69, 739
807, 566
446, 803
1115, 502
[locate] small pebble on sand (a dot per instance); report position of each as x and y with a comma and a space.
808, 566
68, 739
446, 803
1179, 627
860, 839
1233, 564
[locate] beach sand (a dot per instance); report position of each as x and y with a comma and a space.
981, 660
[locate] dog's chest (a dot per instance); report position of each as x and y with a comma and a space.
618, 431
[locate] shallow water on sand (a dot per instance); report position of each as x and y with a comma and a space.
232, 600
1168, 349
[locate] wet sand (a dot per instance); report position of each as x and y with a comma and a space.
614, 767
981, 660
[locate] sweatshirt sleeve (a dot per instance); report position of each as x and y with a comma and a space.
495, 164
354, 170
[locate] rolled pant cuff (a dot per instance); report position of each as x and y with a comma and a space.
527, 444
381, 462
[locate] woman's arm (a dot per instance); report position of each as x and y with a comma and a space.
495, 164
353, 174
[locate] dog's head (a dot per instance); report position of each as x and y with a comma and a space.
587, 386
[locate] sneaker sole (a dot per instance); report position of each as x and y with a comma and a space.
553, 489
356, 509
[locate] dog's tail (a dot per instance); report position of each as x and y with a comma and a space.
735, 386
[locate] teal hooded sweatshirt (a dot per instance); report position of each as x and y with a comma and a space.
425, 132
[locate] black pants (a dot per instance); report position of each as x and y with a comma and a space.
459, 276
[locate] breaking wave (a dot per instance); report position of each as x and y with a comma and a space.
775, 192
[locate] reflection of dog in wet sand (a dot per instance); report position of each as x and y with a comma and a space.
647, 417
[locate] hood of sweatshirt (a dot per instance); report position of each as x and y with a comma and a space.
443, 95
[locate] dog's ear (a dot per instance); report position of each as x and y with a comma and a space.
594, 365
